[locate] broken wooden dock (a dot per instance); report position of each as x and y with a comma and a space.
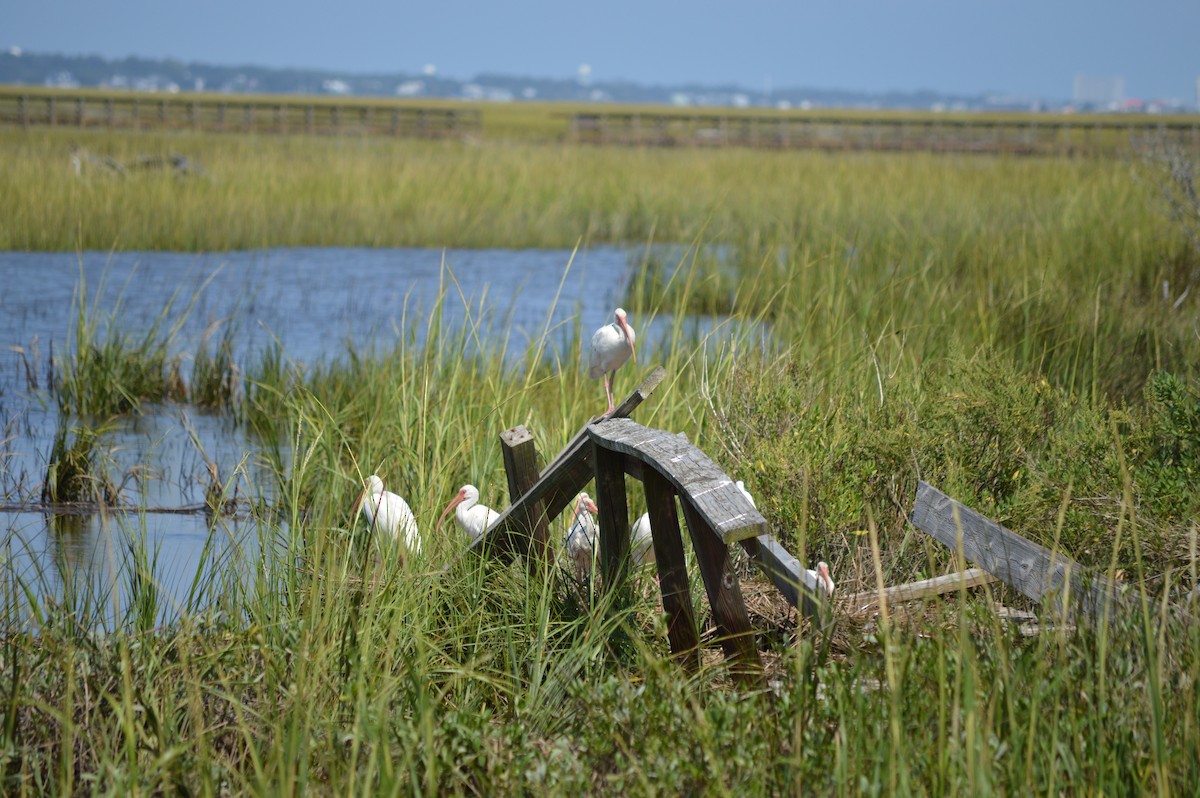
676, 476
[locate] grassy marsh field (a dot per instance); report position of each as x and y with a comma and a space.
999, 327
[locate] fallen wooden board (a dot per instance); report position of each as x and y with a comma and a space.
972, 577
787, 574
1035, 571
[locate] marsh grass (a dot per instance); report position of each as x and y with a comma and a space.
107, 370
328, 667
215, 379
950, 324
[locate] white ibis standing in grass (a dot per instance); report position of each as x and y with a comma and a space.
641, 542
473, 518
389, 515
821, 574
581, 539
824, 580
612, 345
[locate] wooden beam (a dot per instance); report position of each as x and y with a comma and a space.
972, 577
614, 518
1034, 570
561, 480
724, 596
672, 570
787, 574
699, 481
520, 464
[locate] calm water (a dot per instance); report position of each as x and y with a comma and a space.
314, 302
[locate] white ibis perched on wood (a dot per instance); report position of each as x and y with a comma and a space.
473, 518
612, 345
581, 539
389, 515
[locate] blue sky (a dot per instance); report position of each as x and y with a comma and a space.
1028, 48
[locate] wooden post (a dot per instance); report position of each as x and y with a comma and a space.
520, 464
563, 477
614, 517
724, 596
672, 570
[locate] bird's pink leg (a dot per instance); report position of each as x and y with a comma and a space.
608, 392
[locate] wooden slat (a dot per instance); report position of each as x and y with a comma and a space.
790, 578
672, 570
698, 480
562, 479
614, 519
724, 596
972, 577
1034, 570
520, 465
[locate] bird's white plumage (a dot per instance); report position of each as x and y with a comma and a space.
611, 346
821, 573
822, 577
389, 515
472, 517
742, 487
641, 541
581, 539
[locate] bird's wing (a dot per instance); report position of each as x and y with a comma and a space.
603, 341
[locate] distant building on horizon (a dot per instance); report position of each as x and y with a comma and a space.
1099, 92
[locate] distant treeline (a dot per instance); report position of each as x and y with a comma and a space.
148, 74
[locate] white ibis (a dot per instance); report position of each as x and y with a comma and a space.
581, 539
822, 577
388, 515
641, 542
473, 518
612, 345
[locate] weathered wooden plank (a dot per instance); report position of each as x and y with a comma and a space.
672, 570
787, 574
561, 479
972, 577
614, 518
697, 479
520, 465
724, 596
1034, 570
